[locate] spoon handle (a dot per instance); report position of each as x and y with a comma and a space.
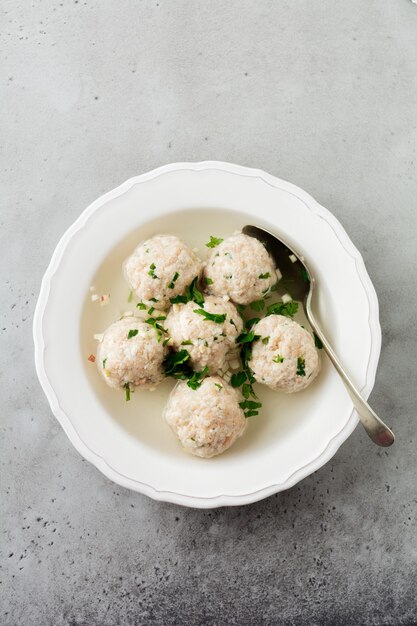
376, 429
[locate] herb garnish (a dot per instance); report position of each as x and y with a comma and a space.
266, 275
265, 340
173, 281
301, 366
279, 308
187, 342
214, 241
104, 363
238, 379
152, 269
132, 333
250, 407
219, 318
218, 386
191, 293
258, 305
278, 359
141, 306
208, 280
197, 378
317, 342
127, 391
130, 296
159, 329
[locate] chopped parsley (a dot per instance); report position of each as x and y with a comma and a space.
241, 307
176, 365
208, 280
173, 281
250, 407
258, 305
151, 310
219, 318
251, 322
304, 275
214, 241
104, 363
153, 299
132, 333
278, 359
141, 306
317, 342
159, 329
280, 308
127, 391
152, 269
233, 323
247, 337
301, 366
266, 275
238, 379
187, 342
192, 293
218, 386
130, 296
197, 378
265, 340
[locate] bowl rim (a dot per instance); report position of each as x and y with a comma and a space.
222, 499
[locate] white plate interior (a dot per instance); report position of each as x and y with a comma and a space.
130, 441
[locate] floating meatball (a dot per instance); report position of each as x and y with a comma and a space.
284, 357
207, 420
208, 333
241, 268
160, 268
130, 355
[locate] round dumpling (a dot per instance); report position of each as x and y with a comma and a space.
284, 357
208, 337
207, 420
160, 268
130, 355
241, 268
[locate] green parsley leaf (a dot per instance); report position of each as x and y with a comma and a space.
151, 310
265, 340
304, 275
250, 404
152, 269
279, 308
266, 275
153, 300
219, 318
214, 241
251, 413
208, 280
197, 378
258, 305
218, 386
241, 307
251, 322
179, 300
173, 362
247, 337
130, 296
301, 366
127, 391
132, 333
141, 306
238, 379
278, 359
317, 342
191, 293
158, 327
188, 342
104, 363
173, 281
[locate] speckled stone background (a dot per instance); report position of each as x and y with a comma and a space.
321, 93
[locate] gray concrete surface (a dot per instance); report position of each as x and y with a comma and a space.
321, 93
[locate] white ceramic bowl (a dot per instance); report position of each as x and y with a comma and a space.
129, 442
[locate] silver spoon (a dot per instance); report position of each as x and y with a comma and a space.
294, 269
